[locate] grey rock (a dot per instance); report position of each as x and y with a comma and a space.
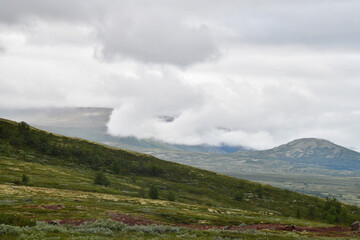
355, 226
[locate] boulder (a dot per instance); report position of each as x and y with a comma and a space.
54, 222
355, 226
290, 228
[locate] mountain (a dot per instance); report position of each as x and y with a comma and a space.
309, 149
302, 156
63, 180
313, 151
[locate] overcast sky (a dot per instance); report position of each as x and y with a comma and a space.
253, 73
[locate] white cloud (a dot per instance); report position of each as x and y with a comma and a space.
238, 72
285, 99
155, 35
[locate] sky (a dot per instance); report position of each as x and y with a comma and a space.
256, 73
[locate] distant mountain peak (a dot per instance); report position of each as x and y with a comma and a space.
306, 147
311, 143
316, 151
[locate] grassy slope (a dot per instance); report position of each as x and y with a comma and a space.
95, 202
65, 177
53, 185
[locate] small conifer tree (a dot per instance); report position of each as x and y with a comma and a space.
142, 193
116, 168
171, 196
312, 212
101, 179
239, 195
259, 191
153, 193
25, 179
6, 149
298, 213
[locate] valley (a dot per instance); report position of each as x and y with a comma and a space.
345, 189
59, 193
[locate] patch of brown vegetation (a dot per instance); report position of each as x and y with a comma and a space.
53, 207
75, 222
50, 207
130, 220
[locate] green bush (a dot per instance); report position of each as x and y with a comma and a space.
92, 230
101, 179
25, 179
5, 149
116, 168
152, 229
133, 178
312, 212
16, 220
142, 193
171, 196
45, 227
153, 193
259, 191
239, 195
105, 223
8, 229
154, 170
333, 211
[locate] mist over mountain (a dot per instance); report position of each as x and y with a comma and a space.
302, 156
91, 123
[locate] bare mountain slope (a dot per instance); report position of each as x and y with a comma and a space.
313, 151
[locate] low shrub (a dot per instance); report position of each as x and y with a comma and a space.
25, 179
8, 229
153, 229
239, 195
92, 230
154, 192
105, 223
45, 227
101, 179
16, 220
171, 196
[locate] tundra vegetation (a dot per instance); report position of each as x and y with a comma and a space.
56, 187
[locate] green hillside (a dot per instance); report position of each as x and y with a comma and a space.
61, 188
